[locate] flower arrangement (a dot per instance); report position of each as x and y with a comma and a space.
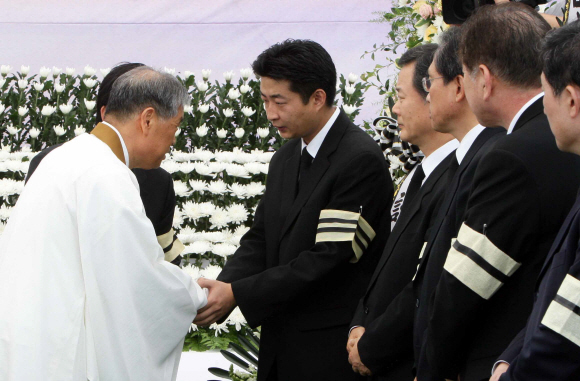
219, 162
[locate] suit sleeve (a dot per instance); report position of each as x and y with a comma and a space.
389, 338
356, 205
486, 253
553, 351
514, 349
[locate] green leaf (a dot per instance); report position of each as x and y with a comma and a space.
235, 359
242, 352
248, 345
220, 373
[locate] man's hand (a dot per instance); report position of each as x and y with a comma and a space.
500, 369
220, 301
354, 337
353, 356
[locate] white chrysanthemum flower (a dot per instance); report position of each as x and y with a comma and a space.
234, 240
215, 237
438, 22
58, 88
2, 107
202, 86
350, 89
192, 210
193, 328
44, 72
224, 156
39, 86
5, 69
220, 218
9, 187
5, 212
89, 71
181, 188
193, 271
202, 130
177, 218
217, 187
266, 157
59, 130
203, 169
169, 70
198, 185
211, 272
234, 94
186, 235
203, 155
48, 110
207, 208
187, 109
239, 132
198, 247
187, 74
244, 89
22, 84
224, 250
237, 213
263, 132
105, 71
395, 162
237, 170
170, 166
248, 111
24, 70
65, 108
255, 189
219, 328
352, 77
79, 130
238, 190
254, 168
205, 73
216, 166
180, 156
70, 71
228, 75
34, 132
12, 130
186, 168
246, 73
222, 133
203, 108
348, 109
56, 71
237, 318
90, 104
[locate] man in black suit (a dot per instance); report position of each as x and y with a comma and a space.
548, 348
521, 192
420, 194
318, 230
155, 185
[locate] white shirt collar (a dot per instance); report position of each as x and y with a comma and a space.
432, 161
467, 141
125, 152
316, 142
524, 108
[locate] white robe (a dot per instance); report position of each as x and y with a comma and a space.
85, 293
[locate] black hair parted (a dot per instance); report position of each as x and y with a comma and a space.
422, 56
561, 57
447, 60
107, 84
304, 63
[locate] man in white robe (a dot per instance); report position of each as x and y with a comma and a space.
85, 292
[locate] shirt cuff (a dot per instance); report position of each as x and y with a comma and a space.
494, 365
351, 328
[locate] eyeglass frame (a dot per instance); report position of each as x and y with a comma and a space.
426, 80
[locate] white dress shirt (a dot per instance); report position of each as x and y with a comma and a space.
316, 142
524, 108
467, 142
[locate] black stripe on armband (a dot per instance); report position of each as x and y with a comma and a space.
339, 220
485, 265
568, 304
168, 248
335, 230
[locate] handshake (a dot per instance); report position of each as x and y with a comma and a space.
220, 302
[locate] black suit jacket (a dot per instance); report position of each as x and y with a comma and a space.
395, 270
416, 296
522, 190
547, 349
158, 196
288, 276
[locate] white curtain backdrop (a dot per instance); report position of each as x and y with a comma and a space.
189, 35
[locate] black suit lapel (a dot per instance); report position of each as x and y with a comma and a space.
414, 208
290, 177
318, 168
531, 112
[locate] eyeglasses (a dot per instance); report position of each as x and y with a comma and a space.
426, 81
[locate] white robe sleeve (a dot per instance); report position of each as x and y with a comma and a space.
138, 306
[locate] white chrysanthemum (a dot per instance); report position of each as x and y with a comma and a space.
254, 168
234, 240
186, 168
219, 328
266, 157
177, 218
348, 109
237, 213
216, 166
170, 166
193, 328
5, 212
180, 156
237, 318
207, 208
211, 272
238, 190
395, 162
193, 210
239, 156
203, 169
219, 218
181, 188
217, 187
224, 156
186, 235
241, 230
215, 237
203, 155
198, 185
255, 189
193, 271
198, 247
237, 170
438, 22
9, 187
224, 249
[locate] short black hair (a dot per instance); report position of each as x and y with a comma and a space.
506, 38
422, 56
561, 56
304, 63
107, 84
446, 58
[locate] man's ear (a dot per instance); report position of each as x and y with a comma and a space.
459, 89
318, 98
103, 111
571, 95
487, 81
146, 120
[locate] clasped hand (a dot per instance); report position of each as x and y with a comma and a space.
220, 301
353, 355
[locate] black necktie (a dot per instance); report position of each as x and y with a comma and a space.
414, 186
305, 161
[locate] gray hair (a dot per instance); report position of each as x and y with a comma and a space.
146, 87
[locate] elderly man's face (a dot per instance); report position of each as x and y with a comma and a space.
162, 137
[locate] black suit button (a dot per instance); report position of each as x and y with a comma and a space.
366, 310
417, 303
